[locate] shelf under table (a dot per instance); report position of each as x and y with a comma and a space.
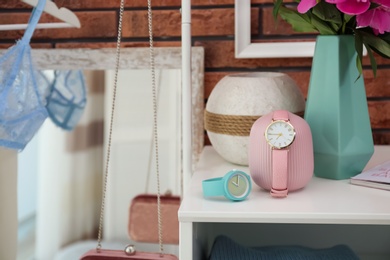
322, 201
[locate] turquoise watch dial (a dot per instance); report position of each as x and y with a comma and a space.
235, 185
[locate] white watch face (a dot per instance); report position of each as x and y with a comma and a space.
280, 134
238, 185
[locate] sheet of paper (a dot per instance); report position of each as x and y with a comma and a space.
380, 173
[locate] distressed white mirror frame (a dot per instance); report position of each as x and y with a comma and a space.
135, 58
244, 48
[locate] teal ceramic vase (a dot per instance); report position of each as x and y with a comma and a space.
336, 110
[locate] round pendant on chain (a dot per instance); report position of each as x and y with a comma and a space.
130, 250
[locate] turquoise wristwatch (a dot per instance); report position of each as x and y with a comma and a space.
235, 185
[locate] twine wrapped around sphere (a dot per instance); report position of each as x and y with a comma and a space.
238, 100
230, 124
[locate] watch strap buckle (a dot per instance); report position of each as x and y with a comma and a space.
279, 193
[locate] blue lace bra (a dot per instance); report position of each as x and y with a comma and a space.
22, 91
27, 97
67, 98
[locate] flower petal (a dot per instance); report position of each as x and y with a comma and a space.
335, 1
378, 19
353, 7
306, 5
385, 3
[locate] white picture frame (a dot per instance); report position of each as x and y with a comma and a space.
244, 48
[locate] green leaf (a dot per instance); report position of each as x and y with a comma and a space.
359, 51
322, 26
335, 27
385, 36
374, 5
376, 43
372, 59
349, 24
299, 22
328, 12
347, 18
277, 5
359, 67
359, 41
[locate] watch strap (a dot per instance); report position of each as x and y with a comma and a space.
213, 187
280, 115
279, 176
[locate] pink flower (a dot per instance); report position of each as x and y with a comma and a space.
351, 7
377, 18
306, 5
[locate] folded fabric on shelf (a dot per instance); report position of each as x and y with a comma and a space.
225, 248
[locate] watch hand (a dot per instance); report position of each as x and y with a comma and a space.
235, 184
238, 181
280, 134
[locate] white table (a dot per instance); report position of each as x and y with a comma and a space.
323, 214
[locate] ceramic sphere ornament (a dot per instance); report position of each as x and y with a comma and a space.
238, 100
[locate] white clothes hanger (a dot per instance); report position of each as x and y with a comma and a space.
64, 14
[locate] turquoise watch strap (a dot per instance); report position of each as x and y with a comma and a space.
213, 187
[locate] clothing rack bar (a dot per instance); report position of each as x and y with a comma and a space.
186, 93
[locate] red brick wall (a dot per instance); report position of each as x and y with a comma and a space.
212, 28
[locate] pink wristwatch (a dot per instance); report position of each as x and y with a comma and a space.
280, 134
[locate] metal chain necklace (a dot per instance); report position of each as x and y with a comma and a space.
155, 130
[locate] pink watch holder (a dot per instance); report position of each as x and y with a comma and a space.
300, 157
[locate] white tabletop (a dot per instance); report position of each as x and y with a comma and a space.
322, 201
